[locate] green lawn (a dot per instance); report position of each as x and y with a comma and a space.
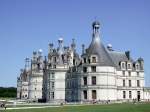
93, 108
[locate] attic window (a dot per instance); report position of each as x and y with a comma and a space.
93, 59
129, 66
84, 59
55, 59
89, 60
137, 67
123, 65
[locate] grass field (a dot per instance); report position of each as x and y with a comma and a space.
145, 107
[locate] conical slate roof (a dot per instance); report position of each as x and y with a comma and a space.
97, 48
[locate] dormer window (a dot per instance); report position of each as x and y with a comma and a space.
84, 60
137, 67
129, 65
89, 60
93, 59
123, 66
55, 59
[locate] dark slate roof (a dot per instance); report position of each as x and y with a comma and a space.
97, 48
117, 57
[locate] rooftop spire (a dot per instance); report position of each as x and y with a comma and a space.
61, 47
97, 48
73, 45
96, 35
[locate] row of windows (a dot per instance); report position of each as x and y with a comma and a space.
129, 66
129, 73
93, 81
94, 94
130, 94
89, 61
130, 84
93, 69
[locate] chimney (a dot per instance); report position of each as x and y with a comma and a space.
83, 48
128, 54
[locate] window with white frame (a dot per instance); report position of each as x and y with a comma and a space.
85, 94
130, 94
123, 73
129, 66
85, 80
129, 73
137, 67
123, 66
53, 85
138, 83
84, 60
124, 83
93, 68
130, 84
124, 94
93, 59
52, 95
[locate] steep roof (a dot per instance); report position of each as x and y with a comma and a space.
117, 57
97, 48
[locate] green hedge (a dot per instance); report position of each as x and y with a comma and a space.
8, 92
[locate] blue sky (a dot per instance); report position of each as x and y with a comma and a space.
28, 25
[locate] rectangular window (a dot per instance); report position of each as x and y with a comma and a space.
93, 59
54, 66
93, 68
93, 80
130, 83
137, 67
84, 60
53, 85
130, 94
123, 65
124, 94
129, 66
52, 95
138, 95
129, 73
94, 94
84, 69
124, 84
138, 83
85, 94
89, 60
55, 59
123, 72
85, 80
53, 75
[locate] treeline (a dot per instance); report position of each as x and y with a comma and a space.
9, 92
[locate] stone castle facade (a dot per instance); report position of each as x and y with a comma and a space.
99, 74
